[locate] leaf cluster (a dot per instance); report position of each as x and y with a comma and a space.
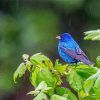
47, 79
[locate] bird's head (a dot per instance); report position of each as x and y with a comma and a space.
64, 37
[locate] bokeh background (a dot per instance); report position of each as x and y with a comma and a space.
30, 26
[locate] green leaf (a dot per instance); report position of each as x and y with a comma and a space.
59, 67
90, 97
92, 35
45, 75
98, 61
57, 78
57, 97
33, 93
28, 65
43, 87
62, 91
20, 71
33, 76
41, 96
75, 80
85, 71
97, 88
41, 61
81, 94
89, 83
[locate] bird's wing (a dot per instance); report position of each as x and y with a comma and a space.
78, 56
80, 52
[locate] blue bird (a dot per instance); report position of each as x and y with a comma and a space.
70, 51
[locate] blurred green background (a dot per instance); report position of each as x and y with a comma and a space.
30, 26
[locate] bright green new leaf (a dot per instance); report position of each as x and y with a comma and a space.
88, 85
75, 80
92, 35
98, 61
62, 91
41, 96
33, 76
45, 75
59, 67
20, 71
41, 61
97, 88
57, 97
28, 65
81, 94
90, 97
57, 78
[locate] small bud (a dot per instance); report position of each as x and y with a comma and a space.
25, 57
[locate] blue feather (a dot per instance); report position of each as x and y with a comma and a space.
70, 51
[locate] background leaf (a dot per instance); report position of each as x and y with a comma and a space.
92, 35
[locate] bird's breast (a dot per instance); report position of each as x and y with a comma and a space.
67, 58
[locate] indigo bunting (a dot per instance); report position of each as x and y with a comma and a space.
70, 51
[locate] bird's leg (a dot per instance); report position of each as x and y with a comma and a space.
68, 65
75, 64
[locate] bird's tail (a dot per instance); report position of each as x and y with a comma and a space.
88, 62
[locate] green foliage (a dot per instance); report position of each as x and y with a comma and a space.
75, 80
20, 71
47, 80
92, 35
98, 61
57, 97
62, 91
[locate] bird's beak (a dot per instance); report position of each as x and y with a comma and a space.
58, 37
